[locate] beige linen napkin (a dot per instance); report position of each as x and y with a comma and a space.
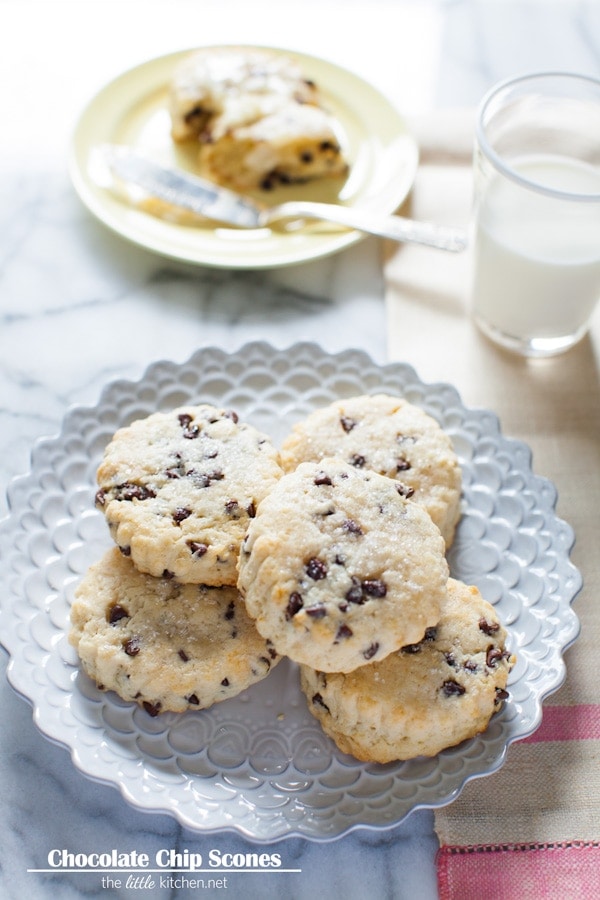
531, 830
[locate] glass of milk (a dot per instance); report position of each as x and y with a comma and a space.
536, 224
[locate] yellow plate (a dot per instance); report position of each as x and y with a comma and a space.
132, 110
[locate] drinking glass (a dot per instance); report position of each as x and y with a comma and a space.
536, 223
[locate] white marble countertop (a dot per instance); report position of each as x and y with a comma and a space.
79, 307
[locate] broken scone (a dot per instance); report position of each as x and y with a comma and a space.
257, 117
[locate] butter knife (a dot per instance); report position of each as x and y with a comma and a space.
220, 204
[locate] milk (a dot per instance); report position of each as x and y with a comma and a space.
536, 256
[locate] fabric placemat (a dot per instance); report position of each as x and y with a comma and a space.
531, 830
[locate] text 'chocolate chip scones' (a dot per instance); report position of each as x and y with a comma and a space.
179, 488
392, 437
339, 569
425, 697
164, 645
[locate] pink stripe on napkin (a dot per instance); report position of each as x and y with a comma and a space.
520, 872
568, 723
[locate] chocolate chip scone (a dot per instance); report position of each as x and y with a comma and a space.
256, 117
179, 488
425, 697
339, 569
164, 645
394, 438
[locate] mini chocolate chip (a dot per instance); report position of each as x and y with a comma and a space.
322, 478
130, 491
501, 695
374, 587
183, 655
126, 551
452, 688
306, 156
231, 414
343, 632
168, 574
370, 652
197, 548
231, 506
251, 510
180, 514
116, 613
450, 659
470, 665
100, 498
355, 594
316, 612
402, 464
347, 423
225, 682
352, 527
404, 490
193, 699
430, 633
184, 419
152, 709
316, 569
230, 611
295, 604
357, 460
340, 559
317, 699
412, 648
271, 650
132, 647
488, 628
492, 657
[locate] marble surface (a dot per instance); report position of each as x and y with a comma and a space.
79, 308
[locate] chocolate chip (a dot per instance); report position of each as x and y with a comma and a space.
355, 593
352, 527
231, 414
180, 514
347, 423
316, 612
470, 666
404, 490
412, 648
184, 419
402, 465
488, 628
316, 569
116, 613
501, 695
100, 498
225, 682
493, 656
152, 709
193, 699
306, 156
230, 611
251, 510
126, 551
357, 460
343, 632
322, 478
374, 587
231, 506
197, 548
452, 688
370, 652
166, 573
132, 647
450, 659
183, 656
430, 633
295, 604
130, 491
